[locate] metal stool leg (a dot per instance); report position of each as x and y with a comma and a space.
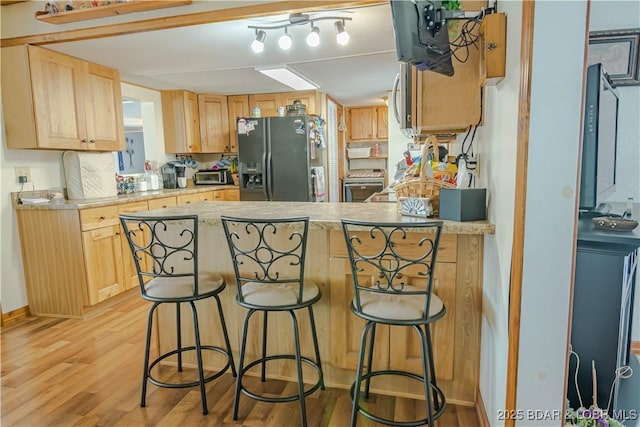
315, 346
427, 331
145, 375
427, 373
369, 360
236, 397
226, 336
356, 386
179, 336
263, 377
296, 336
196, 330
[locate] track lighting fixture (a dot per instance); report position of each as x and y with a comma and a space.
342, 37
258, 44
313, 38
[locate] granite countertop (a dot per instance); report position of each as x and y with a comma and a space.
321, 215
106, 201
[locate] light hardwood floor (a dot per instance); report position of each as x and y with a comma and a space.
67, 372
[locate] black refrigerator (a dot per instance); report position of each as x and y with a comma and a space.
281, 159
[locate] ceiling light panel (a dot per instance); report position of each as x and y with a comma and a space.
286, 76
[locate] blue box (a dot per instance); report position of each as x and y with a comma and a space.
463, 204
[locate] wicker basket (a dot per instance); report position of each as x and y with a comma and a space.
423, 186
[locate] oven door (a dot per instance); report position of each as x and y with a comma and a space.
359, 191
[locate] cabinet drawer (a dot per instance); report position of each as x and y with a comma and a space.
447, 249
161, 203
126, 208
232, 195
186, 199
99, 217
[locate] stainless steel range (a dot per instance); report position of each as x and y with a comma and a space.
359, 184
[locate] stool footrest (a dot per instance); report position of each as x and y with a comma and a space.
159, 383
437, 411
283, 398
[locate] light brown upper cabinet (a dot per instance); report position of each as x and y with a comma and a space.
55, 101
214, 124
181, 121
367, 123
307, 98
238, 106
450, 104
267, 102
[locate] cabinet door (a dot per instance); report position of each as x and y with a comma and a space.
214, 124
307, 98
180, 121
404, 343
382, 122
103, 263
232, 194
58, 97
450, 103
103, 108
346, 327
267, 102
238, 106
362, 122
129, 266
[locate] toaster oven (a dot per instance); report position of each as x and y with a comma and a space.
212, 177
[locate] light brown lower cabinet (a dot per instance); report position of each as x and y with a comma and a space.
74, 259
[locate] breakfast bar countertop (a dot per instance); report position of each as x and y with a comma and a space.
323, 216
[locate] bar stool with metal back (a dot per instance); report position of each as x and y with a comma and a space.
165, 253
392, 265
268, 259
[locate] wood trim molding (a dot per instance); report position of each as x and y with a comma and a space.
218, 15
635, 347
14, 315
481, 411
515, 292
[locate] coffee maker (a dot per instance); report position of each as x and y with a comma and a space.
174, 175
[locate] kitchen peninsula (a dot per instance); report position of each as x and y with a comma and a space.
458, 282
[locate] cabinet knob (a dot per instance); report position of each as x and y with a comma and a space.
92, 141
188, 201
84, 140
102, 218
118, 233
164, 206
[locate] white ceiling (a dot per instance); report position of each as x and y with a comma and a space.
217, 58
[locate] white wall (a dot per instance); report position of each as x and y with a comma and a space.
496, 146
549, 242
397, 141
47, 172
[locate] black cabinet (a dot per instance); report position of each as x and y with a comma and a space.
602, 311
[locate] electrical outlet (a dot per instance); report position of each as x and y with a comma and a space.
23, 172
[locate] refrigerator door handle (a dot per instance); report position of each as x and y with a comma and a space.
266, 171
269, 185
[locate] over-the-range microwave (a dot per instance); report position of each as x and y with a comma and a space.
212, 177
403, 100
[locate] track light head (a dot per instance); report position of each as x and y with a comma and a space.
342, 37
313, 39
258, 44
285, 41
